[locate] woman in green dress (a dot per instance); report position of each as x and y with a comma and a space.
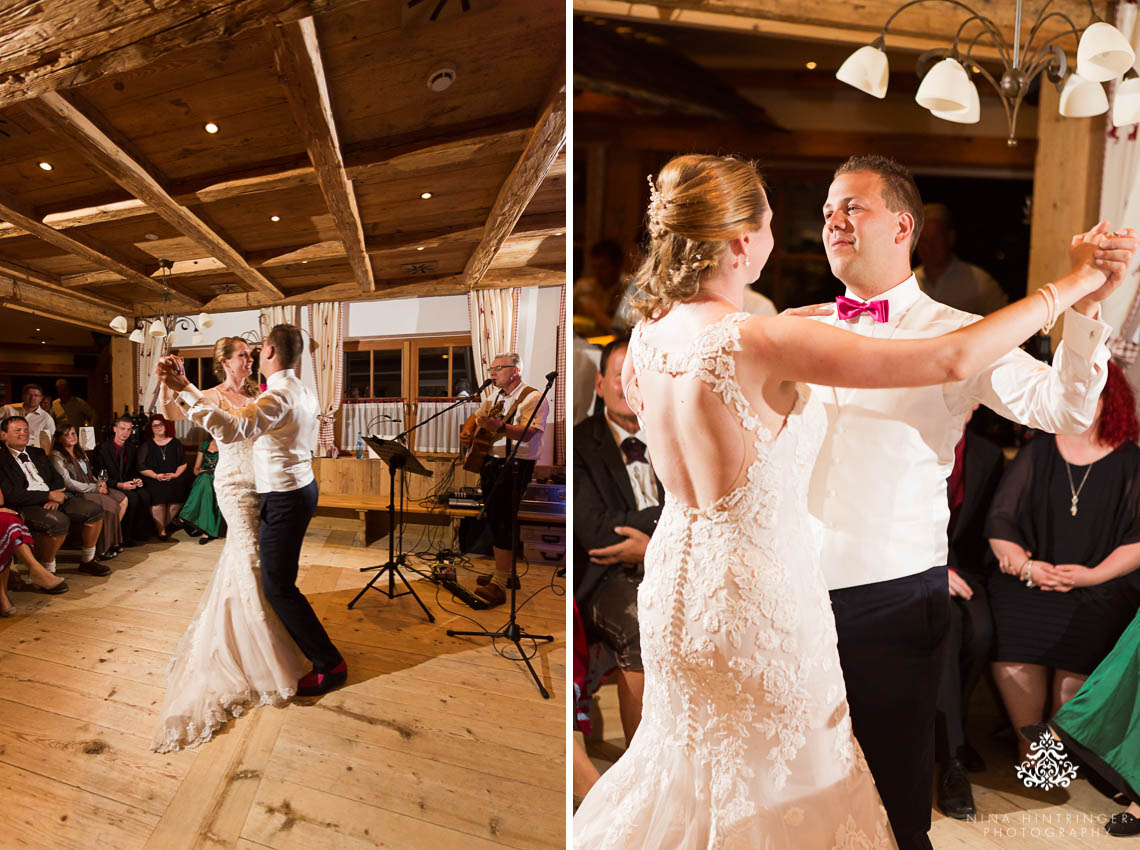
201, 510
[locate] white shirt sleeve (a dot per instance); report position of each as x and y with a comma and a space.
261, 415
1060, 399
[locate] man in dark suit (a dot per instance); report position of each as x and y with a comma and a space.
970, 489
119, 457
32, 487
617, 502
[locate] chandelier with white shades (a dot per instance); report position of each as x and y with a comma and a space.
1103, 54
164, 323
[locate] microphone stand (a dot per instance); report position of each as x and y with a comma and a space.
511, 630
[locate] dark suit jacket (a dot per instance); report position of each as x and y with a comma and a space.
105, 457
603, 499
14, 483
969, 548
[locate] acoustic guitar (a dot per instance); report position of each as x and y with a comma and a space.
482, 441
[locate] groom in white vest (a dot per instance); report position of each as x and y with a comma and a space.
878, 489
283, 423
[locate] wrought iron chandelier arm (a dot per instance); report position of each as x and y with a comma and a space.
1073, 31
997, 87
986, 22
989, 29
1047, 54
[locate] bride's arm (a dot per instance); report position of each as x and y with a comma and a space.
804, 350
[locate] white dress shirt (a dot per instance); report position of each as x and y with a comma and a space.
41, 427
641, 477
35, 480
282, 421
532, 448
878, 490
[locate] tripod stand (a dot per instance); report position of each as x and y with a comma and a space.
512, 631
398, 458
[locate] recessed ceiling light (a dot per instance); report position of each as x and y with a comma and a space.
43, 342
37, 330
46, 166
420, 248
150, 236
211, 127
275, 218
811, 66
303, 262
425, 195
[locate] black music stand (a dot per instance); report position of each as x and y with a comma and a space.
398, 458
512, 631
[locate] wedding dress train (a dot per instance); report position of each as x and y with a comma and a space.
745, 739
236, 654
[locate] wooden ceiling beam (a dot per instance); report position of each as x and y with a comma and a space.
541, 151
81, 246
51, 46
53, 283
920, 28
82, 128
20, 295
297, 55
373, 161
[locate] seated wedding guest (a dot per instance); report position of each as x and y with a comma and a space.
80, 479
118, 456
16, 541
32, 487
69, 409
41, 427
946, 278
970, 489
201, 511
161, 464
617, 502
1065, 500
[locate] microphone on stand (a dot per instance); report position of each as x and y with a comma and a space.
484, 386
550, 376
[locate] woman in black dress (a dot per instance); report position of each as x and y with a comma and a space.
161, 464
1073, 502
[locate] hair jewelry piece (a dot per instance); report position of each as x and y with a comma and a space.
657, 207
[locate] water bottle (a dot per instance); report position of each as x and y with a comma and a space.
359, 448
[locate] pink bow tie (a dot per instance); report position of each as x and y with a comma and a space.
851, 308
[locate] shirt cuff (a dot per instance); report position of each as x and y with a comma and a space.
1083, 336
190, 396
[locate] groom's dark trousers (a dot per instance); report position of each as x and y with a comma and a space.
284, 518
890, 647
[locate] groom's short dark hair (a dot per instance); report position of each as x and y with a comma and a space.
286, 339
899, 189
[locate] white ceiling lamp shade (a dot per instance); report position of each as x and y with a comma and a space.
1103, 53
157, 329
119, 324
205, 321
137, 336
1082, 98
1126, 103
867, 70
946, 88
972, 114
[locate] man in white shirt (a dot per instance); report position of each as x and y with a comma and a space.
283, 422
518, 401
41, 427
878, 489
617, 502
948, 279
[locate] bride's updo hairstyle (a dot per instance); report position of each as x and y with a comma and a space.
224, 349
698, 204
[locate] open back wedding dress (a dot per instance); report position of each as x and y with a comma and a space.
236, 654
745, 739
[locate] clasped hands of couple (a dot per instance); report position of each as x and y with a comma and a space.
171, 371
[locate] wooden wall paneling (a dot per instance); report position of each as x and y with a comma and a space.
122, 373
1066, 189
626, 192
298, 57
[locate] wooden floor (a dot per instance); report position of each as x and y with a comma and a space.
1010, 816
435, 742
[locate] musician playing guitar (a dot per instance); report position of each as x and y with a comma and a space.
515, 400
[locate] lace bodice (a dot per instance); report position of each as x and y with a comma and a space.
744, 708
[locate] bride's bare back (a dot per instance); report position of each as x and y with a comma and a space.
699, 448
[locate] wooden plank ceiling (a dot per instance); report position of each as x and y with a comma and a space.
328, 136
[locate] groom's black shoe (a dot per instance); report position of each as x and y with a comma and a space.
1122, 825
315, 684
955, 796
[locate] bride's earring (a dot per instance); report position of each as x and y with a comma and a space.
747, 261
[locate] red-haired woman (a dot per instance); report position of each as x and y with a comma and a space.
1066, 517
161, 464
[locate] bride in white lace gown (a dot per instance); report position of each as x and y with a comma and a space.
745, 739
236, 654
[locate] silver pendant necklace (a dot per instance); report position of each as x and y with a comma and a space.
1076, 493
